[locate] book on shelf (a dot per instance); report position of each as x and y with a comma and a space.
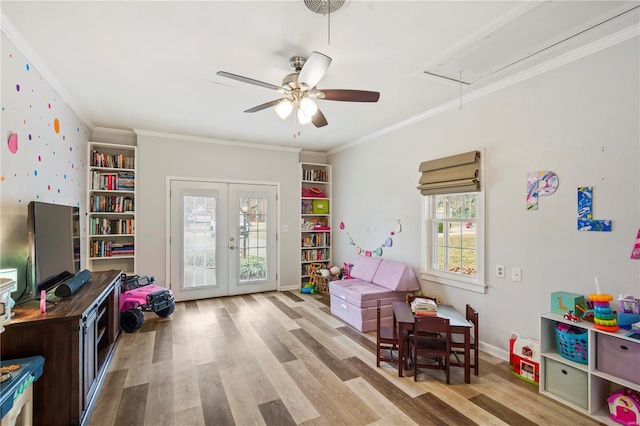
424, 306
117, 161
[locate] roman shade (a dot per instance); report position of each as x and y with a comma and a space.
458, 173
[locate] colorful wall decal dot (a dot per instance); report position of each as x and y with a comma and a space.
35, 173
27, 67
1, 178
17, 87
49, 187
56, 125
13, 143
39, 158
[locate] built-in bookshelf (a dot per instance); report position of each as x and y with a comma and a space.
111, 207
315, 217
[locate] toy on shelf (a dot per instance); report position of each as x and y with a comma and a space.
628, 311
604, 318
624, 407
586, 311
571, 317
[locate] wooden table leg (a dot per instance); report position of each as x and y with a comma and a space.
401, 354
467, 355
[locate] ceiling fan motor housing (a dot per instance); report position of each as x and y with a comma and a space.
290, 81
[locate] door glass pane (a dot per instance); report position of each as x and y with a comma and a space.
253, 220
199, 241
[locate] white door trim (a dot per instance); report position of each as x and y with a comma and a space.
168, 180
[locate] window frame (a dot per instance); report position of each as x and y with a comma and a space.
476, 284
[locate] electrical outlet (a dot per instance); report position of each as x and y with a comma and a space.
500, 271
516, 275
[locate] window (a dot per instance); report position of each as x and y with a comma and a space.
453, 234
453, 250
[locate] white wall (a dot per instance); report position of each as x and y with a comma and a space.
50, 162
160, 156
579, 121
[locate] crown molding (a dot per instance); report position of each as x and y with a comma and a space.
111, 131
18, 40
586, 50
151, 133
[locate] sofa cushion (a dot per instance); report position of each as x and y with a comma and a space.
396, 276
362, 294
365, 268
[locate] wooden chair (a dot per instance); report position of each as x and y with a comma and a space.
457, 342
387, 340
425, 344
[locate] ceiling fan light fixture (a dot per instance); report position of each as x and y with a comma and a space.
303, 118
308, 107
284, 108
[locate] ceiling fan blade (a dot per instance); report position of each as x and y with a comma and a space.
264, 106
318, 119
313, 70
249, 80
348, 95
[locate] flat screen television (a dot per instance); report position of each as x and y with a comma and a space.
54, 245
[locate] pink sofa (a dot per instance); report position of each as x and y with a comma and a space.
373, 278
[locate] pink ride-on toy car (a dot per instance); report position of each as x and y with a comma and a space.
138, 294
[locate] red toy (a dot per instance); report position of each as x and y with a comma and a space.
571, 317
524, 358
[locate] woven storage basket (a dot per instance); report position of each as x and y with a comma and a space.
573, 344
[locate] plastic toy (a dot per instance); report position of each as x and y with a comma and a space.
628, 311
524, 358
571, 317
604, 318
311, 287
347, 271
138, 294
624, 407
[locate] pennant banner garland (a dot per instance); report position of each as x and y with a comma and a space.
378, 250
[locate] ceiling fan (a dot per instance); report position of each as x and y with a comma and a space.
299, 90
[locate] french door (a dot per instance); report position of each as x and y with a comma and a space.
223, 239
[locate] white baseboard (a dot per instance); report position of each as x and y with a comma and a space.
494, 350
289, 288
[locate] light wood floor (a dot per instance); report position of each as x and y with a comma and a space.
283, 359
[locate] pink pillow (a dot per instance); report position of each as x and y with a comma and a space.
365, 268
396, 276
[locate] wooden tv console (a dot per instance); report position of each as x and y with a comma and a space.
77, 338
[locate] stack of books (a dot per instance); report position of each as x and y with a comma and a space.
422, 306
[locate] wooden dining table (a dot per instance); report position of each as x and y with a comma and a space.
405, 320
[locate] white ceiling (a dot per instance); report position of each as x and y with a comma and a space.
152, 64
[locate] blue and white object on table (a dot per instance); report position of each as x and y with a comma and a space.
12, 389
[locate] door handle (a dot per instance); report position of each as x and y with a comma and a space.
232, 247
